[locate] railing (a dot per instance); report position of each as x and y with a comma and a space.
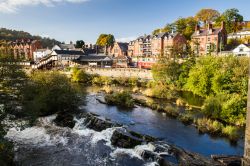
44, 61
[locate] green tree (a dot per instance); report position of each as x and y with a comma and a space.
48, 93
166, 71
80, 44
232, 18
185, 26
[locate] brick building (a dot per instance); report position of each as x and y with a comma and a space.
118, 49
145, 49
23, 49
119, 52
209, 40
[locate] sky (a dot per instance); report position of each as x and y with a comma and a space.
71, 20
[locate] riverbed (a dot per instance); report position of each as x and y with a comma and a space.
48, 144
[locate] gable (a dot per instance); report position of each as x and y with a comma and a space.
241, 48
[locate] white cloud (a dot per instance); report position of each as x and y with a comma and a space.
12, 6
126, 39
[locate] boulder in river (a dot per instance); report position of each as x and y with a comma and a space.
124, 139
92, 121
65, 119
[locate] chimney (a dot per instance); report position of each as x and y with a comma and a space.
223, 25
197, 28
210, 26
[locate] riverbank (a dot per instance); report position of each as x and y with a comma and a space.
189, 113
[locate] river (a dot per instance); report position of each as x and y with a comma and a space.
48, 144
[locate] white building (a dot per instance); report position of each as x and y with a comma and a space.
239, 35
40, 53
242, 50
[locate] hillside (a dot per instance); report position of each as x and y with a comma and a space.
11, 35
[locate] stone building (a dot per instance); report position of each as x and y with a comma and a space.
23, 49
209, 40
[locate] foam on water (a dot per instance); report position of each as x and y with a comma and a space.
95, 136
38, 135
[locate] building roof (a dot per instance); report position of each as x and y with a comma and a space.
205, 32
23, 41
94, 58
123, 46
67, 46
69, 52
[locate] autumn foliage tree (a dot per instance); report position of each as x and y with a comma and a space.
207, 15
105, 41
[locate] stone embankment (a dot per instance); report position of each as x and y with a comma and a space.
121, 72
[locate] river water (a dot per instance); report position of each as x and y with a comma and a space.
47, 144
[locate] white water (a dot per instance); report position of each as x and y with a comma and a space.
46, 134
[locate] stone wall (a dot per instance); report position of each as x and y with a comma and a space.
124, 72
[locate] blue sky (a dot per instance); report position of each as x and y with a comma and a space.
67, 20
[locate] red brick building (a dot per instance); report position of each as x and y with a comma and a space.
119, 52
23, 49
209, 40
145, 49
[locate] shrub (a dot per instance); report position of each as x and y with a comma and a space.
186, 118
101, 80
80, 76
47, 93
212, 106
232, 132
121, 99
234, 109
133, 81
207, 125
161, 92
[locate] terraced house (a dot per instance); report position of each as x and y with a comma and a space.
145, 49
22, 49
209, 40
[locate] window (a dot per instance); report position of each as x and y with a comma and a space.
241, 49
208, 39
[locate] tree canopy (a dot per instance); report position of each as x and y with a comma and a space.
232, 18
105, 40
207, 15
80, 44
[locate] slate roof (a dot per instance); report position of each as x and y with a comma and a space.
67, 46
123, 46
205, 32
69, 52
94, 58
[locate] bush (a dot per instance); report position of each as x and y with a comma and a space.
234, 110
212, 106
161, 92
232, 132
47, 93
186, 119
123, 99
207, 125
101, 80
80, 76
